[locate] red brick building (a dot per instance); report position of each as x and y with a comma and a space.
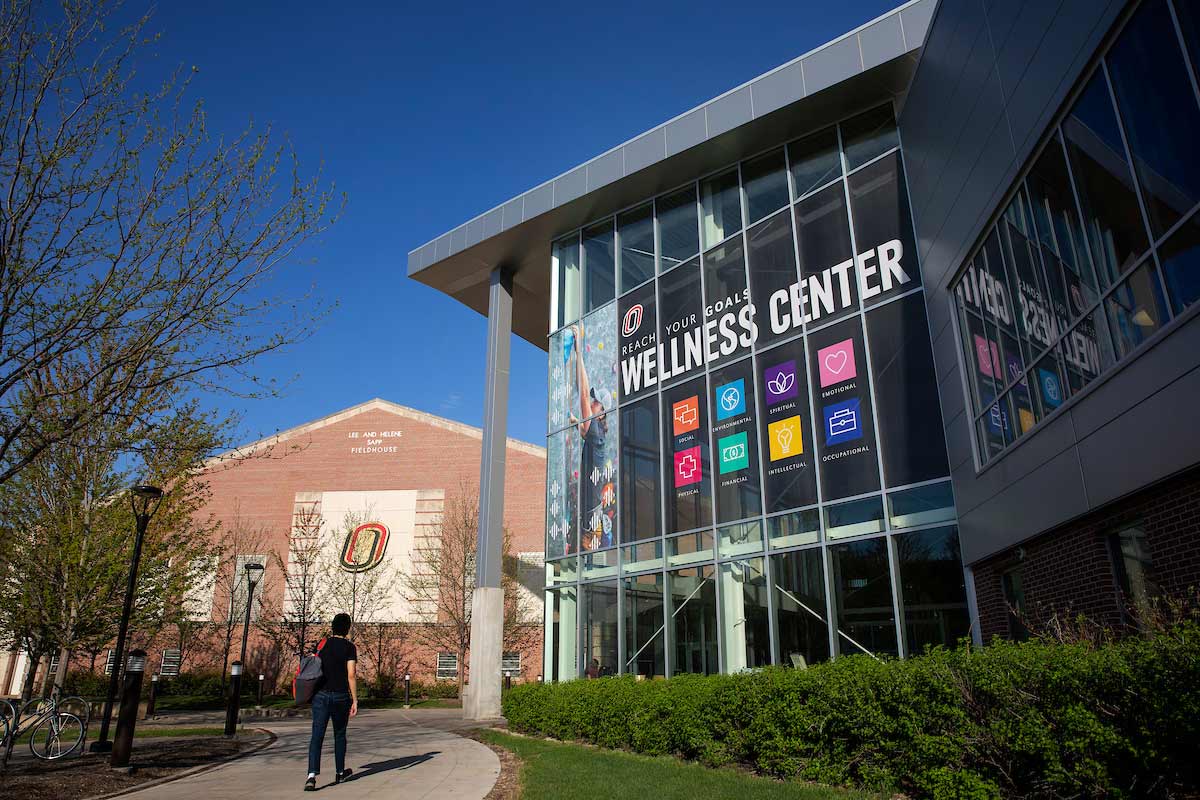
379, 467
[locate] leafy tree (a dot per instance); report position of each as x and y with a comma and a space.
137, 249
68, 528
441, 585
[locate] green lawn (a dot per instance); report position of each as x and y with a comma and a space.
556, 770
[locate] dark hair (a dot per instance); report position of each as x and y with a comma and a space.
341, 624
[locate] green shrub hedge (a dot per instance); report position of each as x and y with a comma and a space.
1011, 720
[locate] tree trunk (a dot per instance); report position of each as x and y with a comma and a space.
462, 671
35, 660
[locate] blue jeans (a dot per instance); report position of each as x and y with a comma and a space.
328, 706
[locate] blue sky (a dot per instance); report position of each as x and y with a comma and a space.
428, 114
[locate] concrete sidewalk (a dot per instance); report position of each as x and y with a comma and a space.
393, 753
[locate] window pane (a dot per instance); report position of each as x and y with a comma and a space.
636, 231
786, 428
561, 498
869, 135
772, 262
826, 258
680, 330
981, 353
815, 161
766, 185
563, 383
596, 381
686, 456
727, 331
1189, 21
561, 635
1086, 350
932, 589
640, 471
720, 199
801, 618
887, 260
1181, 264
1104, 181
1037, 325
564, 570
1050, 391
790, 530
745, 631
678, 231
1158, 107
909, 412
598, 482
644, 556
693, 595
1136, 309
1134, 568
856, 518
862, 592
735, 442
594, 566
566, 265
1065, 255
599, 608
689, 548
922, 505
846, 436
740, 540
638, 359
645, 634
599, 266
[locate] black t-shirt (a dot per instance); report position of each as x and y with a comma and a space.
334, 655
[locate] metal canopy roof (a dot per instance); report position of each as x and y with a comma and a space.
871, 63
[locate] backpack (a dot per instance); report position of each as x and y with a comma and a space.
308, 675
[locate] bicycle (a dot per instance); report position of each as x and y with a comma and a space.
53, 733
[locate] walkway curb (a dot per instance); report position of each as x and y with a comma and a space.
272, 738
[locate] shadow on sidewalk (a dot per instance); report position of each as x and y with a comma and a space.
377, 767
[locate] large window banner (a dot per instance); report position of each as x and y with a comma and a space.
734, 442
562, 486
639, 326
785, 425
686, 465
844, 417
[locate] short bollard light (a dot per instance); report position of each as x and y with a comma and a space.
235, 690
131, 694
407, 687
153, 696
261, 678
507, 680
539, 678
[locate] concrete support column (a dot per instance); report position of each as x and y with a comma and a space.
487, 604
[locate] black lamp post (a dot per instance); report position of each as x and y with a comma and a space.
145, 501
254, 572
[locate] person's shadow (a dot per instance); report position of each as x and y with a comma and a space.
407, 762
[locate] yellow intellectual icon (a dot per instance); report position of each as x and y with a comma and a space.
1026, 418
786, 438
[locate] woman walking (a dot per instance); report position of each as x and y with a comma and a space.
336, 699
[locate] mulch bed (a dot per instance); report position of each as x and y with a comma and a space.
508, 785
89, 775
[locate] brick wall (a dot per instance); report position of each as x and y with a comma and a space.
1072, 567
259, 486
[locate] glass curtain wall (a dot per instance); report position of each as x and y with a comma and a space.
744, 441
1099, 247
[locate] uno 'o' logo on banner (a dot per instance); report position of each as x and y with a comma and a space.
364, 547
632, 321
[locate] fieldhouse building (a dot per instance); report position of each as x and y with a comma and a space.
894, 344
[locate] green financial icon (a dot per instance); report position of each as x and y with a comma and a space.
733, 454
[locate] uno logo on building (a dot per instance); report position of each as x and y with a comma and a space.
632, 320
364, 547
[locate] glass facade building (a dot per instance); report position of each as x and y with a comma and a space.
745, 464
1098, 245
894, 344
